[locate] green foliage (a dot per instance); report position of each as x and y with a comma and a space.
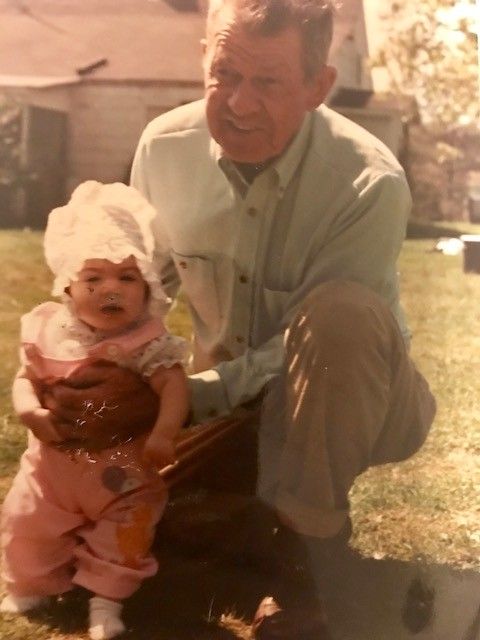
13, 171
431, 52
10, 134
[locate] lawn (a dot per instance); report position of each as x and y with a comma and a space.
428, 507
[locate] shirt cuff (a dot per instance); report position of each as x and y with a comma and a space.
209, 397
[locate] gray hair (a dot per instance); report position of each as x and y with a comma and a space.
314, 19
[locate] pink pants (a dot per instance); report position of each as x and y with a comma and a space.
78, 520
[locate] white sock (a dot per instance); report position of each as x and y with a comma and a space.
21, 604
105, 618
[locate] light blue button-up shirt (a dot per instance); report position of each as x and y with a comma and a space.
334, 205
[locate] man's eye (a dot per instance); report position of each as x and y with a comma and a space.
224, 74
91, 279
128, 278
267, 82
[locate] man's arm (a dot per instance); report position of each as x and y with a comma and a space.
363, 246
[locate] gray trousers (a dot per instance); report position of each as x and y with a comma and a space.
349, 397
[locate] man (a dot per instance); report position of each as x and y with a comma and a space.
283, 221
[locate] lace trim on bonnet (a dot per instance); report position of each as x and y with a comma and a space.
106, 221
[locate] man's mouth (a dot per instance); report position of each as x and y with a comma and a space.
241, 128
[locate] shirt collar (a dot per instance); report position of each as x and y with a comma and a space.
285, 166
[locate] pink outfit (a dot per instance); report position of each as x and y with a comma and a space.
80, 521
79, 518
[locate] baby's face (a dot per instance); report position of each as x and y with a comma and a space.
109, 296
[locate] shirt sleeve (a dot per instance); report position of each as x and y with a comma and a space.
362, 245
164, 351
162, 259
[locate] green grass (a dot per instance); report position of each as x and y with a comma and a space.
430, 506
427, 507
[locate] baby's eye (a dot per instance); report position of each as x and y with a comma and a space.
128, 278
91, 279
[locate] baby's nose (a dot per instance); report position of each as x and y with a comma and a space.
109, 288
112, 296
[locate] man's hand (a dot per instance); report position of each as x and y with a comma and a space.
104, 404
43, 425
159, 451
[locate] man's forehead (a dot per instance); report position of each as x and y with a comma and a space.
271, 66
231, 41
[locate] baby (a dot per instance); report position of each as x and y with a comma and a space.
74, 516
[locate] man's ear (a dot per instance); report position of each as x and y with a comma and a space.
321, 84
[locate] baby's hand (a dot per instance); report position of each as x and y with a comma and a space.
159, 451
44, 426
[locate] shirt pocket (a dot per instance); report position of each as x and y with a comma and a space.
197, 274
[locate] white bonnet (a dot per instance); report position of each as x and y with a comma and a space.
106, 221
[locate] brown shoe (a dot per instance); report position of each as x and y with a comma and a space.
271, 622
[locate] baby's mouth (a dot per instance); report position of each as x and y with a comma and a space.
111, 308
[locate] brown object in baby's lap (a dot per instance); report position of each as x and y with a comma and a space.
104, 403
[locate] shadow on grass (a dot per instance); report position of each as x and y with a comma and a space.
418, 229
184, 601
364, 599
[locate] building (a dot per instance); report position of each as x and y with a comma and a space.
89, 76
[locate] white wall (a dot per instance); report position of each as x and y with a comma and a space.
385, 125
57, 98
106, 121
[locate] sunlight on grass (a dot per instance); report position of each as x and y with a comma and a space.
430, 506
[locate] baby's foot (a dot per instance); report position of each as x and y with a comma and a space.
105, 618
21, 604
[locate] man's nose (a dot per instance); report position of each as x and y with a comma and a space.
243, 100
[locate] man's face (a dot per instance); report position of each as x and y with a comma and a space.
256, 91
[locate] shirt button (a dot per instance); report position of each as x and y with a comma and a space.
240, 339
252, 211
243, 279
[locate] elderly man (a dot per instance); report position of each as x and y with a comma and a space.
283, 221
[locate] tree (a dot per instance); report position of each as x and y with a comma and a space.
431, 52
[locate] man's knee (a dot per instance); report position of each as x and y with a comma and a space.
340, 315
